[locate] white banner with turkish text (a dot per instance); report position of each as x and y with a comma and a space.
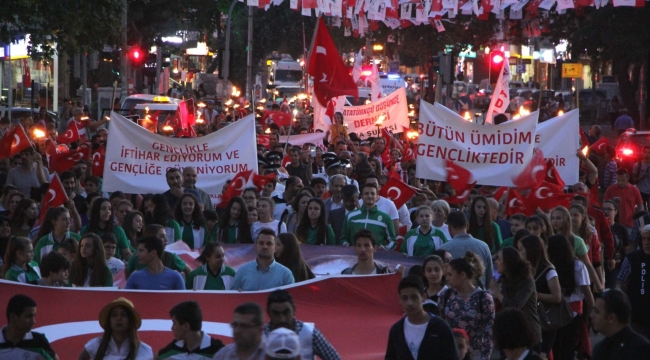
137, 160
493, 154
362, 119
558, 138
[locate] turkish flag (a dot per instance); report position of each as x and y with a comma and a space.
55, 196
260, 181
236, 187
515, 203
552, 175
286, 161
546, 197
264, 140
461, 195
387, 136
397, 191
279, 118
599, 146
409, 155
63, 162
87, 149
99, 156
533, 173
331, 77
187, 113
386, 160
70, 135
457, 176
498, 194
14, 141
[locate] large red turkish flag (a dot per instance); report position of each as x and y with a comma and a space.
331, 77
236, 187
70, 135
457, 176
397, 191
533, 174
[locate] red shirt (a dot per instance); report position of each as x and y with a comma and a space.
630, 198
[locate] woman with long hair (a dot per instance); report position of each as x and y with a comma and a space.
481, 225
123, 207
265, 207
24, 217
433, 276
101, 222
120, 340
159, 212
18, 265
376, 166
314, 229
515, 287
466, 306
561, 223
13, 204
189, 215
233, 227
132, 225
89, 268
574, 281
287, 253
441, 210
539, 225
54, 230
299, 207
547, 283
170, 260
581, 227
5, 235
213, 274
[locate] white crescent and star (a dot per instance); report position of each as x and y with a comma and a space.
535, 170
321, 50
538, 193
52, 196
16, 140
68, 134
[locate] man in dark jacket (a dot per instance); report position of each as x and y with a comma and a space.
611, 317
419, 335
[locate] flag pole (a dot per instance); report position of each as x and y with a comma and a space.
311, 47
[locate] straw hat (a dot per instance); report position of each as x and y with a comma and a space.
104, 315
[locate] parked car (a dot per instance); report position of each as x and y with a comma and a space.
629, 149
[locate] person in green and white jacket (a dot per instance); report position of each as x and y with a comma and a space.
190, 217
369, 217
160, 213
424, 239
54, 231
214, 274
19, 265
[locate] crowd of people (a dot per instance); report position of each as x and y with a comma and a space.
525, 286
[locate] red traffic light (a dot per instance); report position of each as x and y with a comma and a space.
136, 54
497, 57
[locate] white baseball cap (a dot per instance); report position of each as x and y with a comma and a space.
282, 343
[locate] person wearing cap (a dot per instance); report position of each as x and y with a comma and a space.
155, 276
282, 344
623, 121
189, 182
632, 278
189, 341
247, 332
368, 216
420, 335
281, 310
629, 196
120, 322
17, 341
263, 272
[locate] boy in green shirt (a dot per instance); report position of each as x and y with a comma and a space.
517, 222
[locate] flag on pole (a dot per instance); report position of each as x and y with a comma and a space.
501, 95
331, 77
357, 70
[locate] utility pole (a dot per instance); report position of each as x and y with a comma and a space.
124, 65
249, 61
225, 68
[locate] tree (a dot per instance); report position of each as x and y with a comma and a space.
619, 36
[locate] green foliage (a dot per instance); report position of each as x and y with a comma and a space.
74, 25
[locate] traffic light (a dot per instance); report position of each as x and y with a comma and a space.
136, 56
497, 61
434, 64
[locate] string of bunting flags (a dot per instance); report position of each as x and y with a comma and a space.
357, 16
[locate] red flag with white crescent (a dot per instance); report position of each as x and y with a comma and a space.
14, 142
552, 175
70, 135
461, 195
55, 196
457, 176
99, 156
515, 203
599, 146
533, 173
236, 187
65, 161
397, 191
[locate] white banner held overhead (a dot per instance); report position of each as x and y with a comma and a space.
137, 160
361, 119
493, 154
301, 139
558, 138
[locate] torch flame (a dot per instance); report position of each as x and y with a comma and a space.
585, 150
38, 133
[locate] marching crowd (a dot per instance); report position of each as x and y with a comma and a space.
520, 286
